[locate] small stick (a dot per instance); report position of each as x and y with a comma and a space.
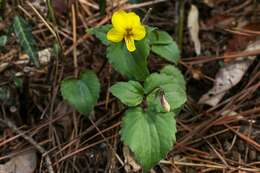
43, 20
143, 4
52, 30
74, 28
147, 15
106, 140
29, 139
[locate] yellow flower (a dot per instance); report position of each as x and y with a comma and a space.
126, 26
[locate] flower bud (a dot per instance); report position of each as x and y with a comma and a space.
166, 106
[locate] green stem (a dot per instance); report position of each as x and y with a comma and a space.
180, 24
50, 11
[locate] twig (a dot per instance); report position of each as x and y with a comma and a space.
52, 30
31, 141
74, 28
73, 153
216, 166
244, 137
180, 26
200, 60
105, 139
43, 20
147, 15
218, 154
144, 4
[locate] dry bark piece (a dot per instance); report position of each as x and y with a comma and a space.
193, 25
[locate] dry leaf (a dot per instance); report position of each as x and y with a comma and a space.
240, 42
193, 25
229, 112
219, 21
130, 163
41, 6
23, 163
44, 57
3, 66
228, 76
210, 3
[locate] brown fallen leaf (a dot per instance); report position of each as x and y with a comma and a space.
25, 162
228, 76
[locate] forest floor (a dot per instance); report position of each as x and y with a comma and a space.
217, 132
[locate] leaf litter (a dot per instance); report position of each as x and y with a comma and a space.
233, 121
229, 76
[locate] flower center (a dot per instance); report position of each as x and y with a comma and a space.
128, 32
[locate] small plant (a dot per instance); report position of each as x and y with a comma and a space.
153, 99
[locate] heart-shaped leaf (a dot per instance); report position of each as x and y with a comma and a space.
133, 65
171, 70
168, 82
163, 45
130, 93
149, 135
82, 93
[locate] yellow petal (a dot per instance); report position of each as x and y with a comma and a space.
114, 35
130, 43
133, 20
119, 21
139, 32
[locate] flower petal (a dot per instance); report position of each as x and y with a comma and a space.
133, 20
130, 43
119, 21
114, 35
139, 32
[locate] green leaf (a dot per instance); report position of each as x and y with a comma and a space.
169, 82
149, 135
133, 65
163, 45
56, 49
3, 40
174, 94
149, 31
2, 5
130, 93
5, 94
25, 38
160, 37
173, 71
18, 82
83, 93
101, 33
155, 80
